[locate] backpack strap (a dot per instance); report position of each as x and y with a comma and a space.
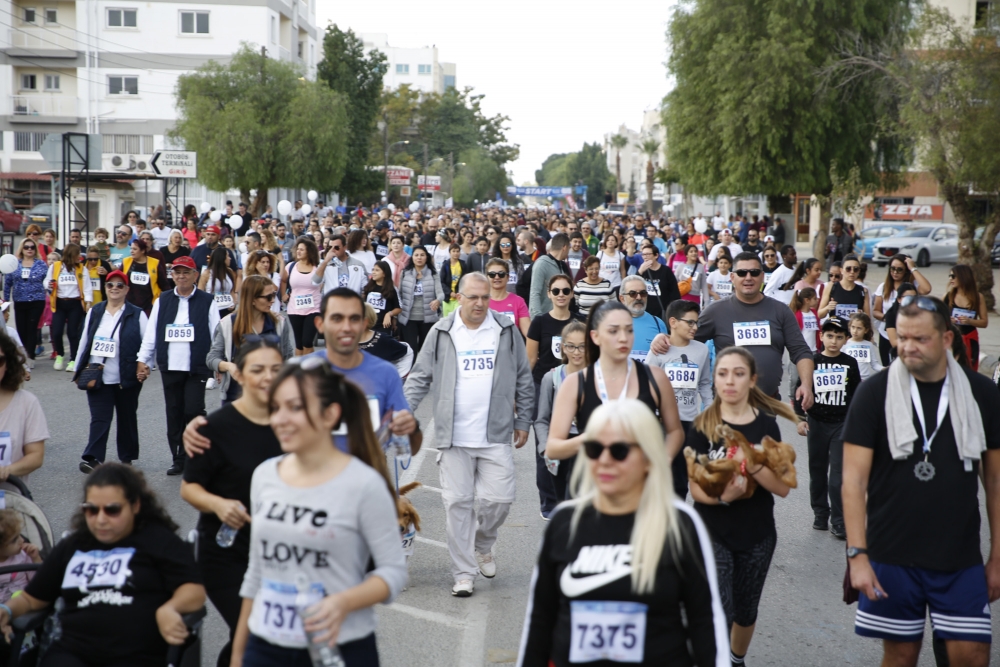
652, 384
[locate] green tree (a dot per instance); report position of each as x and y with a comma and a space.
748, 113
554, 170
357, 76
479, 178
246, 140
589, 166
945, 79
650, 147
618, 142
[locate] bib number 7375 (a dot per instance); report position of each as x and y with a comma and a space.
607, 631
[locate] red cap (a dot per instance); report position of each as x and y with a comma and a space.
185, 262
211, 229
118, 274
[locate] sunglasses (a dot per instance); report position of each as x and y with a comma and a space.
33, 233
743, 273
633, 294
504, 245
951, 276
835, 276
305, 363
922, 302
770, 256
92, 510
897, 269
852, 269
564, 291
269, 297
497, 274
619, 451
28, 247
115, 285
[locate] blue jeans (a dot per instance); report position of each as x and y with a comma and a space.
261, 653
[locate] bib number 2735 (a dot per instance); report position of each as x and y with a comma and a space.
475, 363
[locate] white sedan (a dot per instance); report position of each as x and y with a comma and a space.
924, 243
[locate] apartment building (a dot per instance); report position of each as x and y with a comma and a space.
110, 67
420, 68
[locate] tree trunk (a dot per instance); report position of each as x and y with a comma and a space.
259, 204
618, 175
649, 186
819, 242
246, 199
978, 256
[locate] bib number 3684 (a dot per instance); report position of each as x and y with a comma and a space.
607, 631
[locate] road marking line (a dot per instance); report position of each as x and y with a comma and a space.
435, 543
473, 648
430, 488
432, 616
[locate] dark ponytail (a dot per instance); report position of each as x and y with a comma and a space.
597, 315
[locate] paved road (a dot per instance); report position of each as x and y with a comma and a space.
802, 619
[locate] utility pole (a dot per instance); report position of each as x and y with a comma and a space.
425, 177
451, 177
385, 142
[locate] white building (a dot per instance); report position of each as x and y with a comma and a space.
110, 67
633, 163
420, 68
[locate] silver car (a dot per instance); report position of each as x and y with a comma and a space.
924, 243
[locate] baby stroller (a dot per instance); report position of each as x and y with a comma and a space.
31, 630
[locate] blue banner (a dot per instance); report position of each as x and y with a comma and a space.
545, 191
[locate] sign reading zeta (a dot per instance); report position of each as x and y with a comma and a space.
175, 164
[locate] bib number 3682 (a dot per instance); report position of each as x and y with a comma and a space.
607, 631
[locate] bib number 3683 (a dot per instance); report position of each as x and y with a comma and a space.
607, 631
752, 333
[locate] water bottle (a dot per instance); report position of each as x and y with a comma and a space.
320, 653
227, 534
399, 446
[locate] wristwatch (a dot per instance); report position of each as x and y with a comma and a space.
722, 502
856, 551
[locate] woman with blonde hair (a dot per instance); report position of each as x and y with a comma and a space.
743, 530
619, 564
263, 263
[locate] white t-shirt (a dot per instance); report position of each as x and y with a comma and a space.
161, 236
366, 257
886, 305
477, 351
734, 249
722, 284
611, 267
67, 286
776, 281
718, 223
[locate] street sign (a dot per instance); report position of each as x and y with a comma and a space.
404, 191
175, 164
399, 181
433, 183
52, 151
399, 173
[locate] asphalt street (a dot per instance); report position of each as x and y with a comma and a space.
802, 620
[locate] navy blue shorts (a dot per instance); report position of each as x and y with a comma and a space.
958, 601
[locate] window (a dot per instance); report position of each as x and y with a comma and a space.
51, 82
136, 144
123, 85
194, 23
423, 69
299, 49
29, 15
28, 141
449, 81
51, 16
402, 69
122, 18
29, 82
983, 18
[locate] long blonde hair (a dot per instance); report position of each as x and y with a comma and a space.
711, 417
656, 519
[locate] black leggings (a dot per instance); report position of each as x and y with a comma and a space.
222, 583
414, 334
304, 330
884, 349
57, 656
28, 314
68, 316
741, 579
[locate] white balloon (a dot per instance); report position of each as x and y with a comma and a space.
215, 216
415, 206
391, 207
243, 247
670, 208
312, 195
284, 207
700, 225
306, 209
8, 264
205, 207
253, 193
235, 221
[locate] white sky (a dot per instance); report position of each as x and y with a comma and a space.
564, 72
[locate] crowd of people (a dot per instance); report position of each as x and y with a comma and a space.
655, 346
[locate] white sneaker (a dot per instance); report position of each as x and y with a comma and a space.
487, 567
71, 367
462, 589
211, 384
59, 364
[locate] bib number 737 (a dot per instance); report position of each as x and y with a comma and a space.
607, 631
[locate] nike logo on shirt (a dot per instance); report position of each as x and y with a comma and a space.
604, 563
576, 586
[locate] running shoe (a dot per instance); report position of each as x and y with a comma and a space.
839, 532
820, 524
40, 350
211, 384
87, 466
487, 566
462, 589
70, 367
59, 365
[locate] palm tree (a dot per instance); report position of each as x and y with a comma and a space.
618, 142
650, 147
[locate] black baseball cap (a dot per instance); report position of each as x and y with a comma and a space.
835, 323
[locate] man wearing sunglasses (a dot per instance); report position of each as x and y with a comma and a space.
122, 247
346, 271
635, 296
765, 326
915, 438
479, 367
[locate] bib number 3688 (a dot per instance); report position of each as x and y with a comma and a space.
607, 631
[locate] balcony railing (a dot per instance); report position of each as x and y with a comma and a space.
42, 40
284, 54
43, 105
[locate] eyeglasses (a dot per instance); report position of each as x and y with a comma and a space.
561, 291
634, 294
835, 276
484, 299
111, 510
33, 233
619, 451
497, 274
115, 285
267, 338
269, 297
573, 348
743, 273
852, 269
691, 323
336, 248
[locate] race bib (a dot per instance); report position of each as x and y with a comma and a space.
607, 631
682, 376
66, 279
6, 448
382, 250
277, 618
104, 347
25, 273
639, 355
409, 537
95, 285
376, 301
418, 288
653, 287
609, 267
512, 278
223, 300
304, 301
962, 312
809, 322
687, 272
574, 264
862, 353
98, 569
829, 379
724, 288
140, 279
180, 333
845, 310
752, 333
476, 363
557, 347
509, 315
342, 280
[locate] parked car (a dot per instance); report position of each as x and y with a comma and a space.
40, 215
10, 219
995, 253
865, 242
925, 243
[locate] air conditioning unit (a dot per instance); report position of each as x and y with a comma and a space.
124, 162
